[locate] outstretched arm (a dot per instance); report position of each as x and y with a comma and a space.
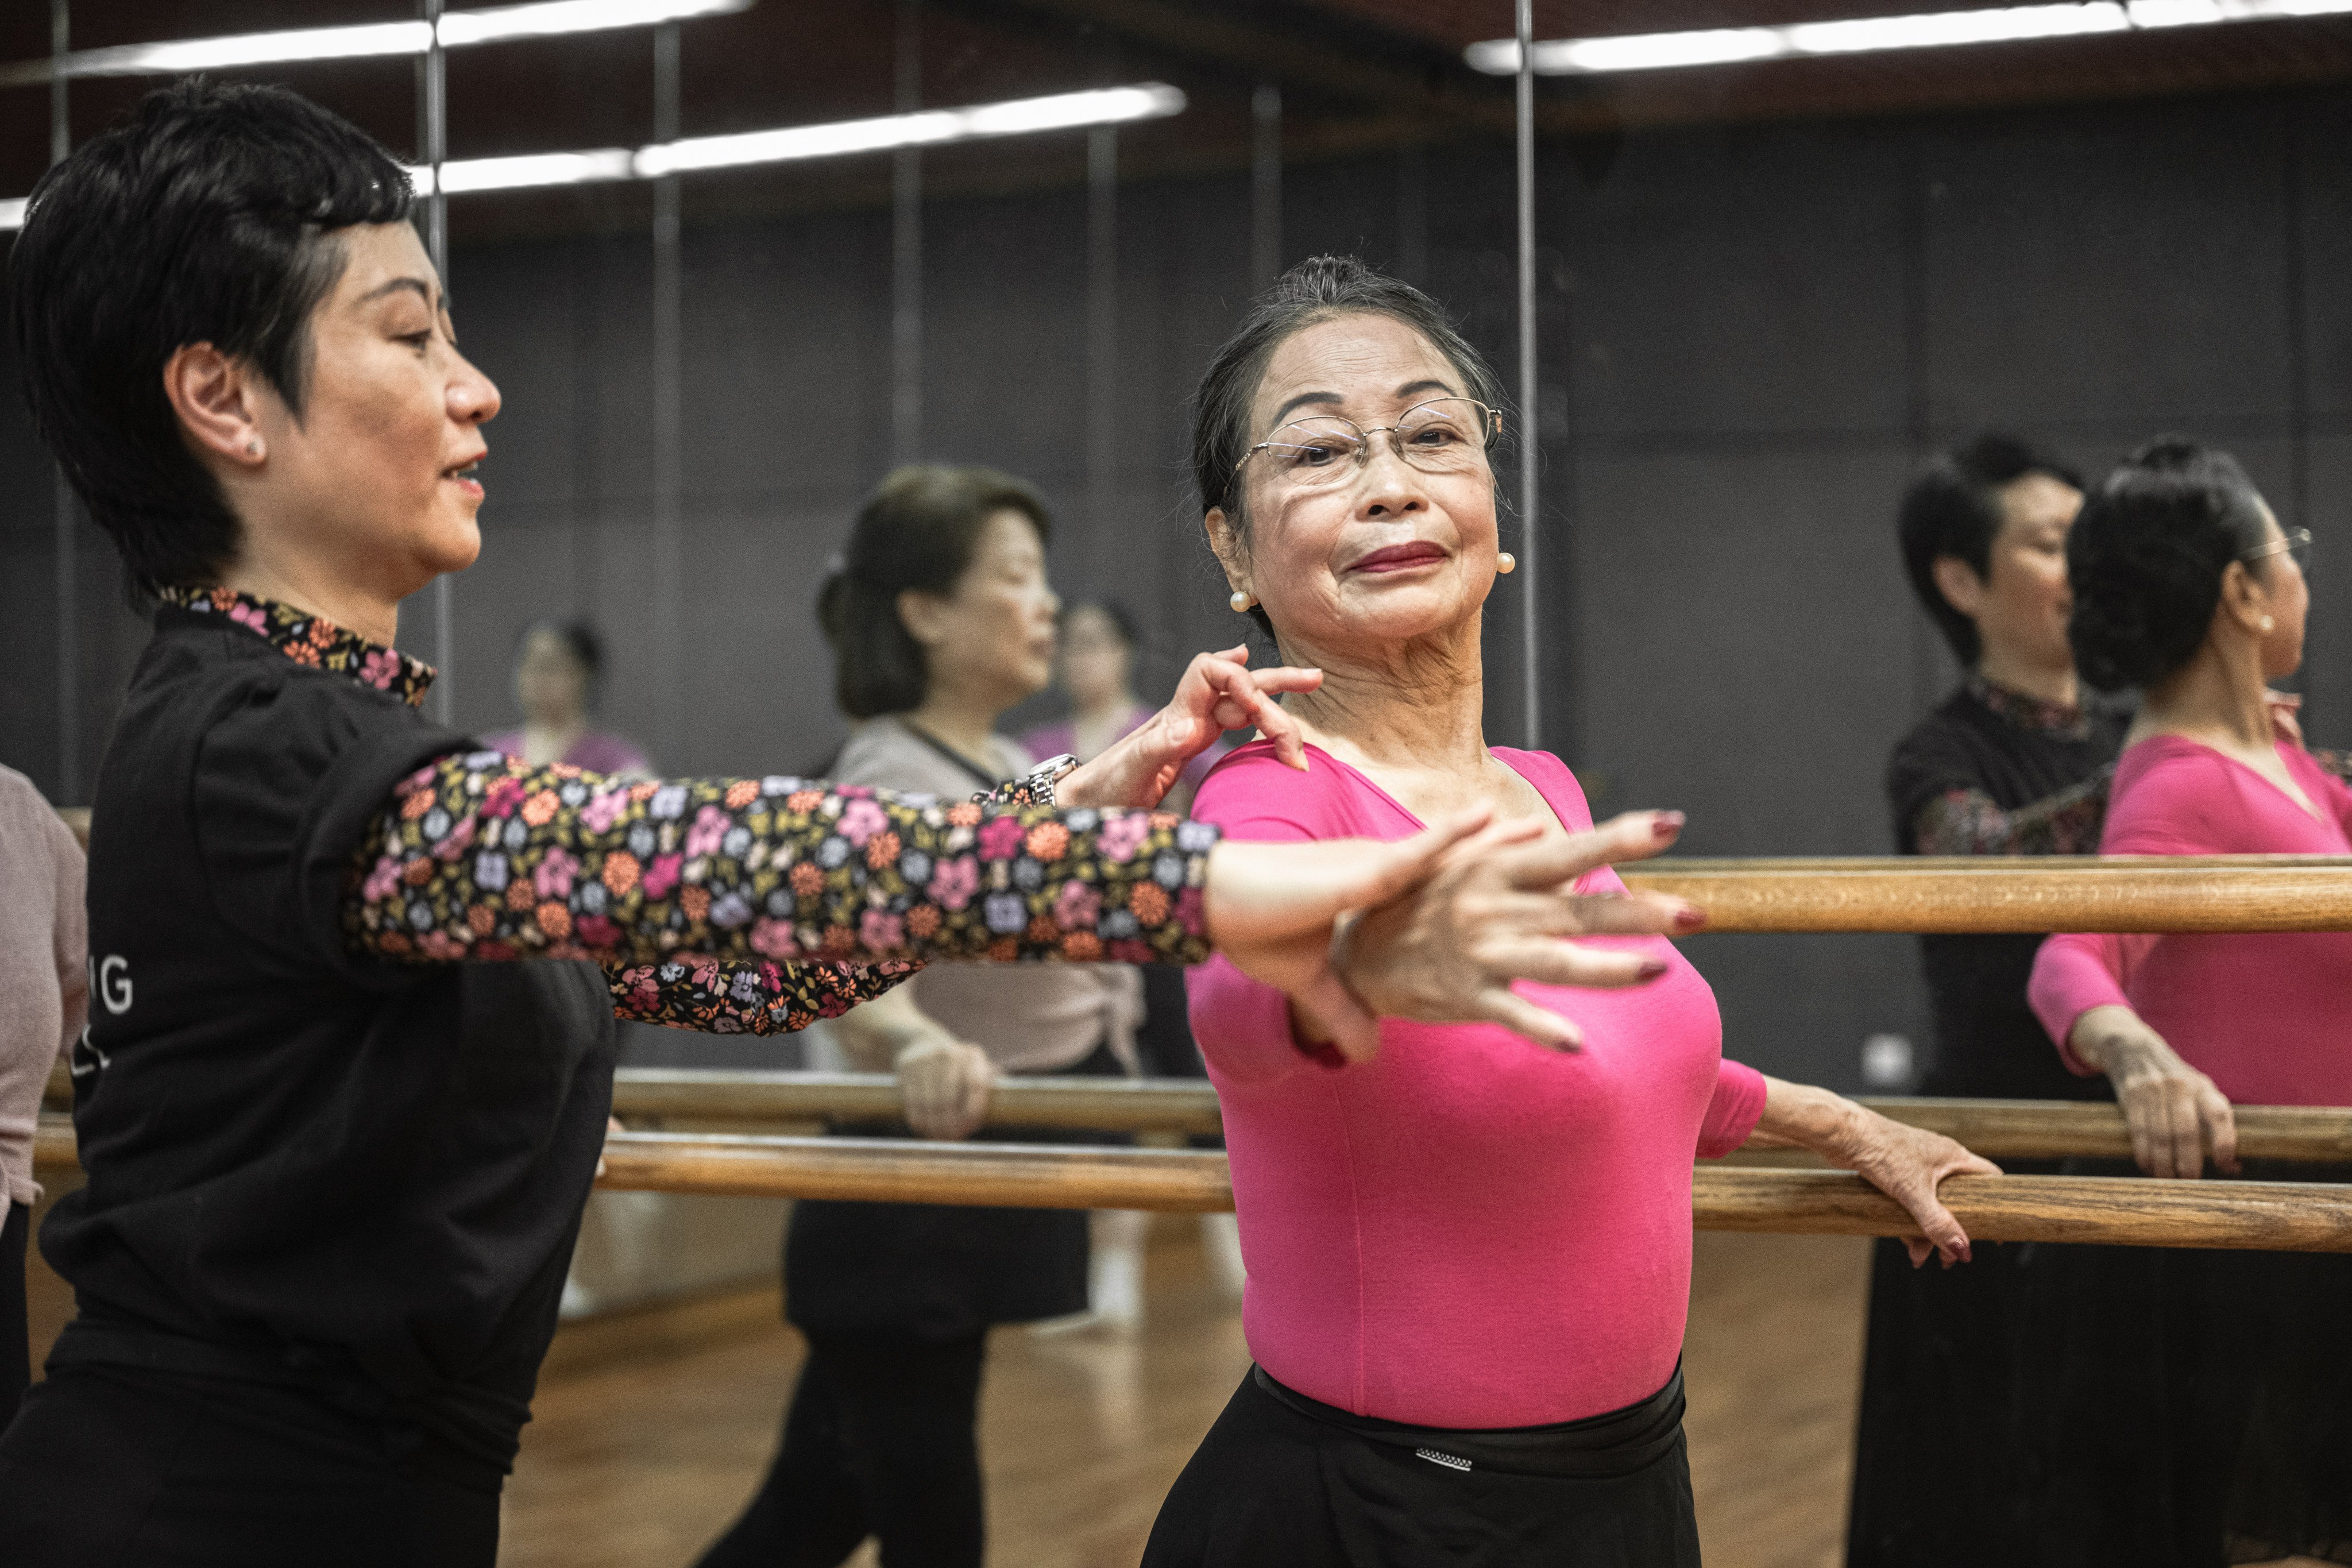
1967, 822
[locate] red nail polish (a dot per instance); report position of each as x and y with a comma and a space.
1651, 968
1690, 920
1666, 823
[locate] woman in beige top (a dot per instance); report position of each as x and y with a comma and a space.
941, 620
44, 994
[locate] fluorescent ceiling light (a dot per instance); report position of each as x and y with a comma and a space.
926, 127
458, 29
1870, 34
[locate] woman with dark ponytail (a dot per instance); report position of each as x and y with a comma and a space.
2200, 1402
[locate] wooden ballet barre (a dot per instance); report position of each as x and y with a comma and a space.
2267, 1215
2012, 893
2288, 1217
1998, 1128
1099, 1104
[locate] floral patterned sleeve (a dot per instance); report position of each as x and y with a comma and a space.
758, 905
1967, 822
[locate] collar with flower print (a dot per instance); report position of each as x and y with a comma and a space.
312, 639
2067, 721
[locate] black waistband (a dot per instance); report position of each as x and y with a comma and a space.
1613, 1443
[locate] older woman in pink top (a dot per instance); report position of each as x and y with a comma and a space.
2205, 1405
1469, 1255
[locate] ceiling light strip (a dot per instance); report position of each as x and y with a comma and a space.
1873, 35
500, 24
927, 128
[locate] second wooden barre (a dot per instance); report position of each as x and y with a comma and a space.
2011, 893
1998, 1128
2268, 1215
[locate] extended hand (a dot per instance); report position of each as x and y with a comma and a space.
1454, 915
1218, 693
2174, 1111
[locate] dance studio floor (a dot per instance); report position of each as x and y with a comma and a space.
650, 1431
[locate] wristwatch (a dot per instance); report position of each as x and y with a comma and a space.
1035, 787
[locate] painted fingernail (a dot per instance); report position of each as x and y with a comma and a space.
1651, 968
1666, 823
1689, 918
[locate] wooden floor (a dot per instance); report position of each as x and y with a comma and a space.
650, 1432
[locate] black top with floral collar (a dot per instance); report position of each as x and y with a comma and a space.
731, 905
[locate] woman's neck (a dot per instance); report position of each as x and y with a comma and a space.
2216, 698
2048, 682
303, 585
1418, 705
548, 741
960, 718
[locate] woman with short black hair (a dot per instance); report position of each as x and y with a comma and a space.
2197, 1406
340, 1109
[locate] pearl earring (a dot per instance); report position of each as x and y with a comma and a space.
2268, 623
1506, 563
1242, 600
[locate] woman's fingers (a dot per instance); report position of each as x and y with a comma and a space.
1551, 962
1563, 857
2220, 1127
1516, 1012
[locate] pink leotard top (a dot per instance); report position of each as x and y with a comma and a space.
1470, 1230
2262, 1014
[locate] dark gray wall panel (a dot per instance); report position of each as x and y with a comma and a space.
2112, 265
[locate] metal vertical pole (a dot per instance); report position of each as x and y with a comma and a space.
1102, 320
1531, 640
69, 576
434, 114
668, 431
1265, 184
907, 252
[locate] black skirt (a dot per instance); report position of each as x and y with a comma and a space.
2190, 1409
941, 1271
1284, 1481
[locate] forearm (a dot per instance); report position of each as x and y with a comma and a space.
1810, 1117
873, 1034
478, 858
1967, 822
693, 991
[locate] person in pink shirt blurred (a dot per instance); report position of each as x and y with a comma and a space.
2203, 1400
1469, 1253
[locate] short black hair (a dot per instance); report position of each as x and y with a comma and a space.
2146, 557
1953, 509
918, 533
1319, 289
580, 639
209, 215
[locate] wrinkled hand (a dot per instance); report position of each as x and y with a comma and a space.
1906, 1163
945, 1084
1218, 693
2175, 1113
1453, 916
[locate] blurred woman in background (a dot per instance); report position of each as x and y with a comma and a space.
559, 672
2198, 1405
1099, 641
2013, 762
941, 620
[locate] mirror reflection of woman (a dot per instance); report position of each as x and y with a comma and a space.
941, 620
2201, 1403
559, 672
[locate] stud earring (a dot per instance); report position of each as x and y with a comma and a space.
252, 447
2268, 623
1242, 600
1506, 563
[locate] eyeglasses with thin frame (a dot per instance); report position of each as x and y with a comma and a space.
2295, 541
1446, 435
